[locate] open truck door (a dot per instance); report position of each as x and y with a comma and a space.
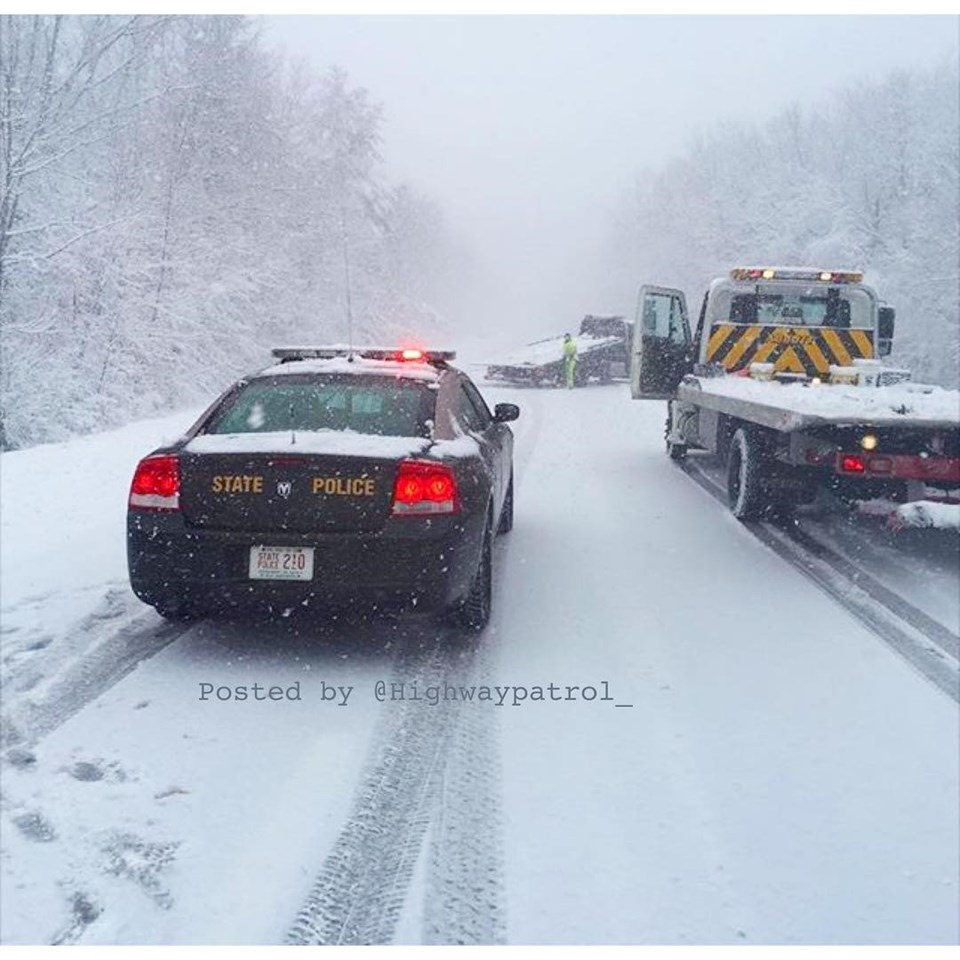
661, 351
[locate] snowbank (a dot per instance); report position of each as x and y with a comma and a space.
927, 513
934, 514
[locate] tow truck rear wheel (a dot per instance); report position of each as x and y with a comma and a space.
745, 492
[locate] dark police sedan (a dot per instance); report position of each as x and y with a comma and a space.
366, 479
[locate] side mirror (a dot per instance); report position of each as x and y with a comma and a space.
886, 322
505, 412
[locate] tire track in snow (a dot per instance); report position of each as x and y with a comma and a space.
429, 765
360, 891
924, 643
33, 715
944, 638
464, 897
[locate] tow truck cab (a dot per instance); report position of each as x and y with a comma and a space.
802, 321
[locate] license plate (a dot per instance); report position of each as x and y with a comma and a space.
281, 563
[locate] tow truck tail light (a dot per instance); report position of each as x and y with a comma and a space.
424, 488
156, 484
852, 463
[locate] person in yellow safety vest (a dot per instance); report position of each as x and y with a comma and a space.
569, 359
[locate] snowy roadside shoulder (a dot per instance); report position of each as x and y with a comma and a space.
66, 609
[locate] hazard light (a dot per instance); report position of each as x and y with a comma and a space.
796, 273
852, 463
424, 487
156, 484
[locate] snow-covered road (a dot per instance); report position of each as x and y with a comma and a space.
782, 776
766, 770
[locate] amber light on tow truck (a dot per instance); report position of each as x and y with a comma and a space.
424, 488
796, 273
156, 484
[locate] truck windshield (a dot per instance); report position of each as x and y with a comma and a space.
797, 305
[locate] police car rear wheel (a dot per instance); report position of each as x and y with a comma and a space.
473, 613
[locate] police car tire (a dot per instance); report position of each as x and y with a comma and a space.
506, 512
473, 613
745, 493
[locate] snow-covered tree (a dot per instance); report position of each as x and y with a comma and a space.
868, 179
175, 200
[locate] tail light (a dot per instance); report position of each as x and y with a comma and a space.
156, 484
852, 463
423, 488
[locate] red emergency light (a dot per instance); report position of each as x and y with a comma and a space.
852, 463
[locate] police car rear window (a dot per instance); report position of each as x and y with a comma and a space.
372, 405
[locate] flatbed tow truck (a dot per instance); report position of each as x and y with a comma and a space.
782, 379
602, 355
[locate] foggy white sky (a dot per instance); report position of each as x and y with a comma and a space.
526, 128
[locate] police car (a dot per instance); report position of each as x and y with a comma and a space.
366, 478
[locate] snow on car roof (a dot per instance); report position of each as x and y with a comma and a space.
409, 369
348, 443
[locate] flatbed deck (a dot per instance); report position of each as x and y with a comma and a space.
550, 350
787, 407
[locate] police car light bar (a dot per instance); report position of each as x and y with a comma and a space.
796, 273
410, 355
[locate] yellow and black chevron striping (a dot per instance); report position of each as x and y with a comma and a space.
809, 350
